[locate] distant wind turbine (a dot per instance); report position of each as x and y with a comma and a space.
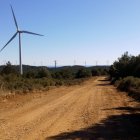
55, 63
19, 32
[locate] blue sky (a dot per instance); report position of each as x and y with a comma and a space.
75, 30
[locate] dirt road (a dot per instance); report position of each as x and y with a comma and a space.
93, 110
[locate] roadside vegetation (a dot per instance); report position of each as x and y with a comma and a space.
42, 78
125, 74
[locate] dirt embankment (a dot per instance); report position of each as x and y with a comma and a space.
93, 110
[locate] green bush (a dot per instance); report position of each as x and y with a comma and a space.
43, 72
83, 73
30, 74
59, 82
63, 74
126, 65
129, 82
95, 72
9, 69
131, 85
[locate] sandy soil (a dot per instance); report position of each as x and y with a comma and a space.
93, 110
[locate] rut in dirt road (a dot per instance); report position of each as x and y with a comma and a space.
93, 110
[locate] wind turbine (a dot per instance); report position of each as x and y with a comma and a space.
18, 32
55, 63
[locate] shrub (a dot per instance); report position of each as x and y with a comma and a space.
43, 72
129, 82
63, 74
126, 65
30, 74
83, 73
131, 85
95, 72
59, 82
9, 69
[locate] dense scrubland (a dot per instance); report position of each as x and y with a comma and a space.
43, 78
125, 74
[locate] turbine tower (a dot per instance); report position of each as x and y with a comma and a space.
19, 32
55, 63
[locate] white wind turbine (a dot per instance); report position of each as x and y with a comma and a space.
19, 32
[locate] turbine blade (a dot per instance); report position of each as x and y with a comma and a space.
30, 33
9, 41
14, 17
